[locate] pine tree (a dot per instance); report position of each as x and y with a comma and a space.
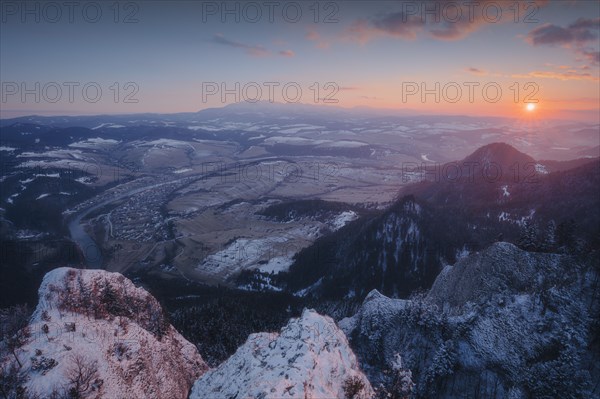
442, 365
403, 384
565, 236
549, 239
528, 237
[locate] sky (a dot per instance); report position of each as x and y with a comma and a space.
488, 58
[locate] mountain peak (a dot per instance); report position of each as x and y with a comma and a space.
374, 294
502, 154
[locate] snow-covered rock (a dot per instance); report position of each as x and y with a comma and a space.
500, 323
377, 306
499, 270
100, 320
308, 358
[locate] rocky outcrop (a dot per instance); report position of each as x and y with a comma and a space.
308, 358
96, 335
501, 323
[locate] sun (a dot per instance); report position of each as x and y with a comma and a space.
530, 106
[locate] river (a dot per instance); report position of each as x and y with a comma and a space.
92, 252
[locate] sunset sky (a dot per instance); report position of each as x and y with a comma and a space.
373, 52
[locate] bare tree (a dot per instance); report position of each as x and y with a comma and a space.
82, 376
353, 387
15, 328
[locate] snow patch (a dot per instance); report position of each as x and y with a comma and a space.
343, 219
539, 168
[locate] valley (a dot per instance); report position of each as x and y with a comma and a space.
238, 228
182, 194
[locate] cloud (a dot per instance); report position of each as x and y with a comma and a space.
257, 51
400, 24
439, 19
549, 34
397, 25
591, 56
578, 33
583, 23
476, 71
253, 50
576, 36
315, 36
568, 75
287, 53
456, 25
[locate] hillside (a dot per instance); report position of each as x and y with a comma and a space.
436, 222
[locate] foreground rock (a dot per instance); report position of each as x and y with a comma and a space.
95, 335
308, 358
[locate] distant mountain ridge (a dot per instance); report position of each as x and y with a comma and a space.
261, 107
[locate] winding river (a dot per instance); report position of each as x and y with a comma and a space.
92, 252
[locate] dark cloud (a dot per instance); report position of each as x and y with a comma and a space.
549, 34
254, 50
399, 24
583, 23
440, 19
476, 71
578, 36
579, 32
